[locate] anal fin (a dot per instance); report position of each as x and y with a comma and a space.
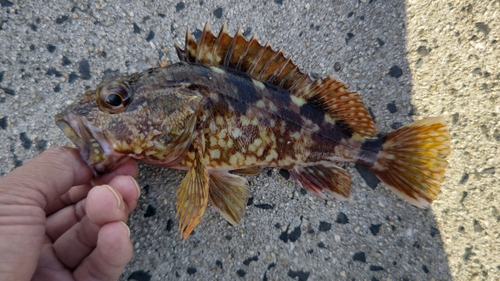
319, 178
228, 194
192, 196
251, 171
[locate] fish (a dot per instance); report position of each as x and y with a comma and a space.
231, 107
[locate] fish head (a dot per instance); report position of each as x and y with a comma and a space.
140, 116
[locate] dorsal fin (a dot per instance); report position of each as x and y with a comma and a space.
331, 95
262, 63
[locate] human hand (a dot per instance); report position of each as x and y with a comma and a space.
54, 225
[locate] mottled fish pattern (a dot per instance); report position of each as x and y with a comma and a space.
231, 107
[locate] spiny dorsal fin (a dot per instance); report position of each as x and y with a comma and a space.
264, 64
260, 62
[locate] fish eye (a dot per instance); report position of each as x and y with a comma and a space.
114, 97
114, 100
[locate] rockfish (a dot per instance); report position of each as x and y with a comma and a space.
231, 107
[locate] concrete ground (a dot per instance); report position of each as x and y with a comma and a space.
409, 60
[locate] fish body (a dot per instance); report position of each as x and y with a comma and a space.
247, 123
232, 107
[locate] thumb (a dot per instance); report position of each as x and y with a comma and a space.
46, 177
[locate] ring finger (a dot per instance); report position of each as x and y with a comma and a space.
104, 204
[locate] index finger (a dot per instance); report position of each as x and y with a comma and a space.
78, 192
47, 176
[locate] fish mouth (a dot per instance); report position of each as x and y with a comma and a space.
95, 148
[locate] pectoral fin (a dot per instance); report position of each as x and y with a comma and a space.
229, 194
319, 178
192, 196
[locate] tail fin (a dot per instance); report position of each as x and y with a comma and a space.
412, 162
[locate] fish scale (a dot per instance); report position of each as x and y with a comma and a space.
231, 107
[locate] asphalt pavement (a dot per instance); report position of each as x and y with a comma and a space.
408, 59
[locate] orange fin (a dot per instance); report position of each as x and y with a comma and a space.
259, 62
319, 178
262, 63
412, 162
228, 194
163, 63
192, 196
252, 171
332, 97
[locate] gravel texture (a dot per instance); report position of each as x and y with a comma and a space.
409, 60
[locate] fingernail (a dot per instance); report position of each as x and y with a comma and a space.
137, 187
128, 229
119, 202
